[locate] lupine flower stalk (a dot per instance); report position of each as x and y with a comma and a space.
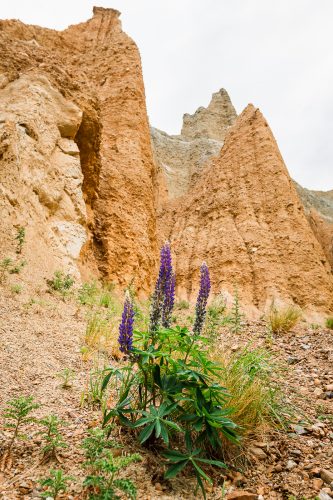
125, 338
169, 300
200, 308
164, 294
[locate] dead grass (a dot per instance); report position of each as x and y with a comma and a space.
284, 319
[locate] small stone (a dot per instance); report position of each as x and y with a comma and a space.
317, 483
324, 496
158, 486
278, 468
242, 495
329, 387
317, 382
258, 453
298, 429
327, 476
318, 392
291, 465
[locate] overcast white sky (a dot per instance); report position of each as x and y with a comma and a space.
276, 54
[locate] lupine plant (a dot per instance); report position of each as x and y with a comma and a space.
168, 388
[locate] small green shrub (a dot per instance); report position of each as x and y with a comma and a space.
16, 289
284, 319
20, 237
8, 266
52, 437
329, 323
87, 293
60, 282
17, 414
67, 376
236, 317
55, 483
182, 304
103, 481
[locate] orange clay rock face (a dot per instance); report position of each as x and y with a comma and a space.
243, 216
76, 166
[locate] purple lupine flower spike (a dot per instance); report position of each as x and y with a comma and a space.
125, 338
163, 297
169, 300
200, 308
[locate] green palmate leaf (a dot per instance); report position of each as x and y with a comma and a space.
146, 432
126, 486
175, 468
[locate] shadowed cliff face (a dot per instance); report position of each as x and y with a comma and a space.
97, 67
243, 216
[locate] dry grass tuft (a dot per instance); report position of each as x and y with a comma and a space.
284, 319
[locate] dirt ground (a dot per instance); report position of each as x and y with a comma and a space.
41, 335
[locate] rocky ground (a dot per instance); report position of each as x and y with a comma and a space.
42, 335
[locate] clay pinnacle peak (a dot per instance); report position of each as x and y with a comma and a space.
102, 11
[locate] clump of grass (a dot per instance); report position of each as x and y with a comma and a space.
254, 401
284, 319
16, 289
329, 323
94, 394
182, 304
87, 293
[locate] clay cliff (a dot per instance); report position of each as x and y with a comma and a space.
76, 163
244, 217
98, 191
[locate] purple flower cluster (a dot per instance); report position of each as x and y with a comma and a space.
164, 294
125, 338
200, 308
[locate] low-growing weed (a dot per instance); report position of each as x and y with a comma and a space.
52, 437
329, 323
182, 304
236, 317
67, 376
61, 283
94, 394
20, 238
284, 319
16, 289
55, 483
87, 293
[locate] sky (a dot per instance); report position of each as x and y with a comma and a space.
274, 54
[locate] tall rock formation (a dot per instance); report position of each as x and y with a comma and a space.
318, 207
181, 157
90, 75
243, 216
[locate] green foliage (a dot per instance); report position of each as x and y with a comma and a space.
61, 283
170, 387
329, 323
237, 317
182, 304
16, 289
155, 421
284, 319
97, 442
254, 400
51, 436
16, 414
94, 394
56, 483
192, 457
87, 293
8, 266
103, 481
67, 376
20, 237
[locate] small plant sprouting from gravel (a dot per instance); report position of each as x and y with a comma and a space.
61, 283
66, 376
284, 319
17, 414
16, 289
104, 468
52, 437
55, 483
236, 317
329, 323
20, 238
